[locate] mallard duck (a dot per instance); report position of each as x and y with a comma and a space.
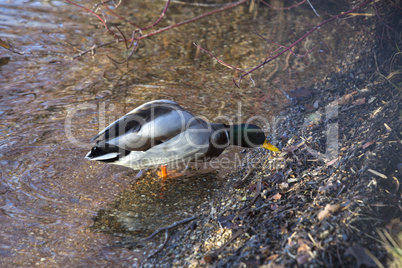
161, 132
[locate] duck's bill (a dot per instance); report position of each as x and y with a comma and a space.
270, 147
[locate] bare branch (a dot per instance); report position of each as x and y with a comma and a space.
282, 8
93, 48
90, 11
220, 61
378, 15
229, 6
114, 14
9, 47
128, 58
139, 30
170, 227
162, 246
289, 48
160, 17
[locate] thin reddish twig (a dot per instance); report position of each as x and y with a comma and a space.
139, 28
94, 48
128, 58
122, 34
114, 14
93, 13
394, 5
282, 8
160, 17
193, 19
229, 6
270, 41
220, 61
302, 38
132, 45
378, 15
132, 40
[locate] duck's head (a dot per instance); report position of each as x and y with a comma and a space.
249, 135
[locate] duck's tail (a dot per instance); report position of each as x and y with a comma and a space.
105, 152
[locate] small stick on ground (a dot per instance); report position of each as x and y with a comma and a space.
167, 228
162, 246
257, 192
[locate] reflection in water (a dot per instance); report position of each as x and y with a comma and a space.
152, 203
48, 193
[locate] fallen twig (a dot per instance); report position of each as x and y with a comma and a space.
193, 19
289, 48
175, 224
257, 192
93, 13
377, 173
283, 8
93, 48
162, 246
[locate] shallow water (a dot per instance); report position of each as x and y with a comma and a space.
51, 106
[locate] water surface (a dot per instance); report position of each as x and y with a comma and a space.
51, 106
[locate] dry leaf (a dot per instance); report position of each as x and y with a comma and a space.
304, 245
210, 257
367, 144
299, 93
272, 257
309, 107
290, 149
359, 101
328, 210
330, 163
276, 196
346, 98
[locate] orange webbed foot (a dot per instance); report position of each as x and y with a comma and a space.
163, 173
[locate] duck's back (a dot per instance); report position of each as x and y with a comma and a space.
147, 125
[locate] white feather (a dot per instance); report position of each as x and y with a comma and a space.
103, 157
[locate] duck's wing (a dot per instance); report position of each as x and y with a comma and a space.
141, 113
189, 145
146, 126
199, 142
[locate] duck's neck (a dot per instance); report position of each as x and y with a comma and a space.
236, 135
246, 135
